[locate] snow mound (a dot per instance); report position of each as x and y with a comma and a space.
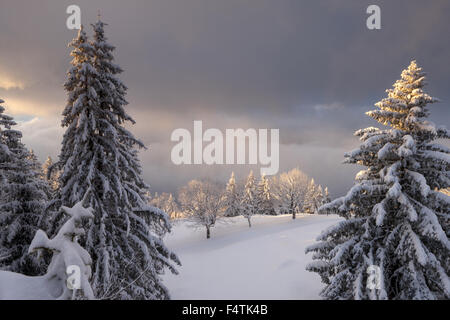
68, 271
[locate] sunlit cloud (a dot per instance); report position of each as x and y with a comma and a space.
8, 83
25, 107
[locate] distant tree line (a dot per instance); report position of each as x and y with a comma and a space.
204, 201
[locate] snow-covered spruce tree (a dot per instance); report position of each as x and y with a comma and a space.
396, 220
166, 202
249, 199
22, 201
38, 168
5, 123
309, 205
315, 198
171, 207
99, 163
326, 196
320, 198
264, 197
232, 198
51, 176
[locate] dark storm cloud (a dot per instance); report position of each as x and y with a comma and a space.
309, 68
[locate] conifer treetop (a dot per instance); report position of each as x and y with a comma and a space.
406, 104
395, 217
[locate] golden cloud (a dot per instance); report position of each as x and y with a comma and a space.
7, 83
17, 106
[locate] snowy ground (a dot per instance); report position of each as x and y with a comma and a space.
264, 262
15, 286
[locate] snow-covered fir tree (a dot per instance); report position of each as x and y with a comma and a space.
264, 199
249, 200
232, 198
167, 203
35, 165
309, 205
396, 220
171, 207
326, 196
320, 197
99, 163
22, 200
314, 198
51, 176
38, 168
6, 122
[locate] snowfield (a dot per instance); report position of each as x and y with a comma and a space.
265, 262
14, 286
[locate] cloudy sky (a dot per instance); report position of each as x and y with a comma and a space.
309, 68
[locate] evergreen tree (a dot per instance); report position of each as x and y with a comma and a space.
232, 198
311, 199
319, 198
171, 207
326, 196
249, 199
51, 176
264, 197
166, 203
396, 220
99, 165
22, 201
315, 197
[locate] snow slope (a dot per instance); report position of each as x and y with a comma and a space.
14, 286
264, 262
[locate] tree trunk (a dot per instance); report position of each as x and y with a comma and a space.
208, 232
249, 223
293, 215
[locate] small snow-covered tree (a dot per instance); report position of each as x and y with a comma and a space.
35, 165
320, 198
326, 196
314, 198
310, 202
171, 207
166, 202
264, 197
22, 201
99, 162
396, 220
67, 255
249, 200
290, 190
67, 275
51, 176
232, 198
202, 203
